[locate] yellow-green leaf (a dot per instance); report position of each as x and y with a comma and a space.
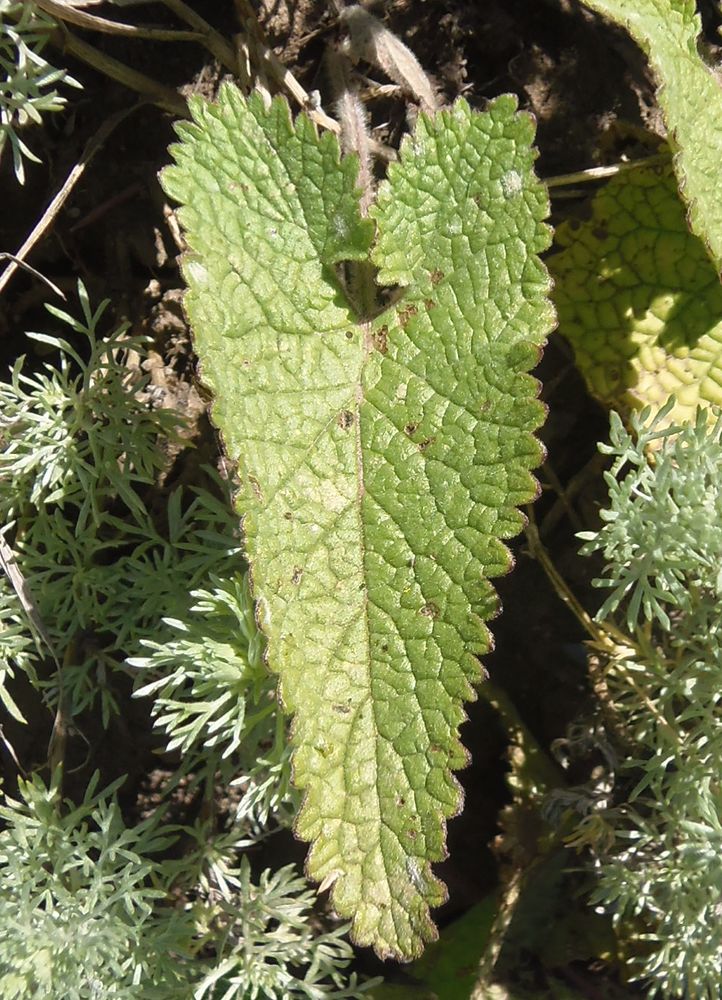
639, 299
690, 97
381, 460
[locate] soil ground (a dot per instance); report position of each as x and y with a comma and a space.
582, 80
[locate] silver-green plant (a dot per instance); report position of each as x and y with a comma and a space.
662, 544
263, 937
216, 703
80, 446
206, 670
83, 909
27, 80
90, 908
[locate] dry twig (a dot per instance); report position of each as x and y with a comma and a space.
267, 59
61, 10
48, 217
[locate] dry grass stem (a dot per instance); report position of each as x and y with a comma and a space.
267, 59
42, 227
151, 90
75, 15
212, 39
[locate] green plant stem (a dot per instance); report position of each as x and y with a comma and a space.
565, 495
606, 638
546, 772
538, 551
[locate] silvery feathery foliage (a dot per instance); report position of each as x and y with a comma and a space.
207, 667
27, 80
216, 703
80, 445
89, 910
83, 909
266, 948
662, 544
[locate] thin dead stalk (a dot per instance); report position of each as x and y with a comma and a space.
601, 173
268, 60
148, 88
213, 40
42, 227
74, 15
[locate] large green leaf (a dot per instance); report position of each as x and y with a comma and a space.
380, 461
639, 299
690, 97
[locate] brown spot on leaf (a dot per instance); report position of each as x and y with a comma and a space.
256, 487
288, 515
407, 313
341, 709
381, 339
345, 419
297, 574
410, 429
349, 335
423, 445
429, 303
430, 610
436, 276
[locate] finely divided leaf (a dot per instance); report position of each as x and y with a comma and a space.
690, 97
381, 461
639, 299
